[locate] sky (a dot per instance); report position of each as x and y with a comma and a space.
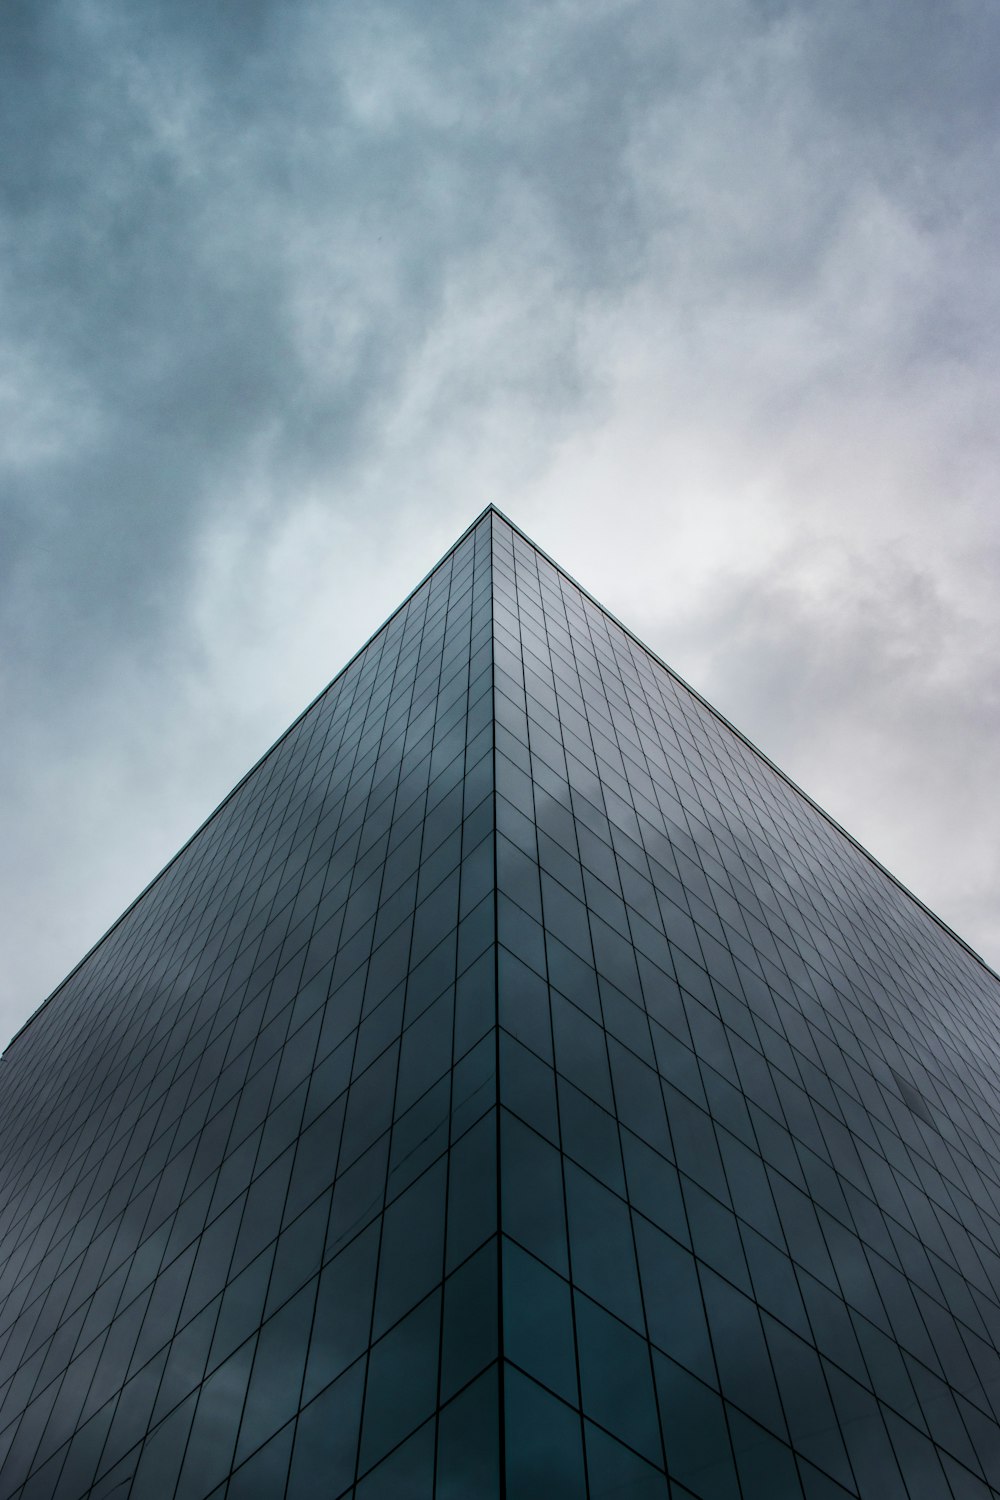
705, 298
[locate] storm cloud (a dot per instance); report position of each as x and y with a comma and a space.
707, 299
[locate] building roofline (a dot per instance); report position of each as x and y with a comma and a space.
246, 777
827, 817
492, 509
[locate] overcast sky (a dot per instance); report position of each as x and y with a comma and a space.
705, 297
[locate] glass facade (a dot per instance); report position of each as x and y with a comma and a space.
517, 1087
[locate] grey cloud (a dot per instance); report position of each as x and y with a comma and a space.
285, 286
878, 693
193, 195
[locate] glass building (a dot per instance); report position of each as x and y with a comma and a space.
517, 1087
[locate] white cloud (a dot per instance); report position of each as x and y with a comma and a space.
708, 302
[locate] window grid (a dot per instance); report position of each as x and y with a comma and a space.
516, 1086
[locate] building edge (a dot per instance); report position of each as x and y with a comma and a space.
492, 509
744, 739
487, 510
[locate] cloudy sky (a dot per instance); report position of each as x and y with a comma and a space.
705, 297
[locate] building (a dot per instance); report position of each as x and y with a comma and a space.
516, 1087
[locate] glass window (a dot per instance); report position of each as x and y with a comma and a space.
216, 1423
469, 1332
613, 1468
276, 1384
601, 1250
326, 1437
411, 1261
472, 1190
402, 1381
544, 1441
265, 1473
343, 1312
533, 1209
616, 1379
468, 1459
538, 1322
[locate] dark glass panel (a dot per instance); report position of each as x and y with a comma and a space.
616, 1378
765, 1050
326, 1437
402, 1381
601, 1250
216, 1423
276, 1384
538, 1322
472, 1190
468, 1459
614, 1469
266, 1473
343, 1313
695, 1432
411, 1260
544, 1442
532, 1187
407, 1474
469, 1331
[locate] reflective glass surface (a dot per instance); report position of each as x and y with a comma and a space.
516, 1087
750, 1162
